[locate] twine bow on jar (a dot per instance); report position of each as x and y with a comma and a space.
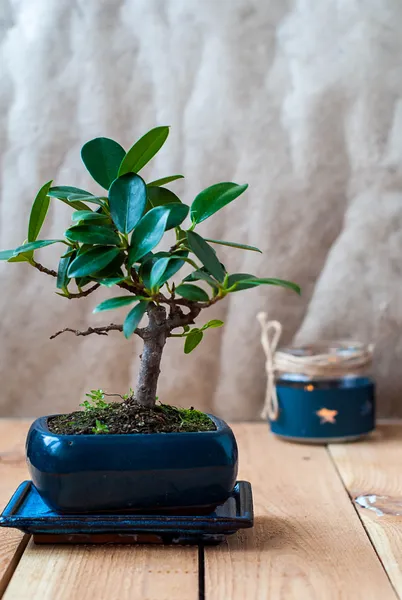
324, 360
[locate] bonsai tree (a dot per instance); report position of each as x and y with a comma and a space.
112, 243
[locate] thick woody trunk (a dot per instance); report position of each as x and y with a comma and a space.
154, 342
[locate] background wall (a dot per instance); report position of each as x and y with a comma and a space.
302, 99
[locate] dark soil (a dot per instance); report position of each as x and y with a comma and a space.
123, 417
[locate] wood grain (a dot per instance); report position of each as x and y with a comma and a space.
84, 572
13, 470
374, 468
306, 543
105, 572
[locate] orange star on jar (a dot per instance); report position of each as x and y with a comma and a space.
326, 415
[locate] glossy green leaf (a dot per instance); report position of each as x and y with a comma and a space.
164, 180
234, 245
93, 234
35, 245
269, 281
39, 212
159, 196
143, 150
113, 303
77, 205
92, 261
201, 274
157, 271
127, 200
192, 292
88, 215
133, 318
6, 254
163, 197
111, 281
206, 255
102, 157
175, 264
64, 191
239, 279
113, 269
62, 278
215, 323
213, 198
148, 233
22, 257
192, 340
99, 200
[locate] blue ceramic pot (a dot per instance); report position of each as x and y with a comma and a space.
156, 471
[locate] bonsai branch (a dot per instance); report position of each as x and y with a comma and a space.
83, 293
43, 269
98, 330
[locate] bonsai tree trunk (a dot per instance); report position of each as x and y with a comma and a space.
154, 342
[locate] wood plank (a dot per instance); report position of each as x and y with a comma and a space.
13, 470
307, 542
103, 572
84, 572
373, 468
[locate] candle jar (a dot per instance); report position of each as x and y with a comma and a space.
336, 405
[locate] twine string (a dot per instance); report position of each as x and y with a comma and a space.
325, 364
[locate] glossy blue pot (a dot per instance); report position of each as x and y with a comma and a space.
144, 472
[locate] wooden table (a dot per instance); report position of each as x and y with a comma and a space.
311, 539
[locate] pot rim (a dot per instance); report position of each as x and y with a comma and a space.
41, 424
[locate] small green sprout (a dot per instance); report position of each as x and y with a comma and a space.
96, 400
100, 427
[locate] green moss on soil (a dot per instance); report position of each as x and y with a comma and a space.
121, 417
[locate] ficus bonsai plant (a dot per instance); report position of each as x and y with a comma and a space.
112, 242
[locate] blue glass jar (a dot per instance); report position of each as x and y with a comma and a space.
334, 404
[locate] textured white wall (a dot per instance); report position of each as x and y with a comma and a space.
301, 99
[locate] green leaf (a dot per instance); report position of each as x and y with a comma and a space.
35, 245
157, 271
23, 257
143, 150
281, 282
162, 197
6, 254
77, 205
93, 234
64, 191
239, 279
62, 279
148, 233
201, 274
127, 200
158, 196
111, 281
234, 245
206, 255
192, 340
112, 269
102, 157
192, 292
213, 198
88, 215
177, 213
39, 212
175, 264
112, 303
78, 198
164, 180
213, 324
133, 318
92, 261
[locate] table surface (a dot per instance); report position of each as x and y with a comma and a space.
311, 539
